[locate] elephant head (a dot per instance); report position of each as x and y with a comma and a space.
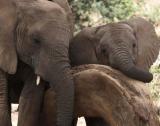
130, 47
37, 32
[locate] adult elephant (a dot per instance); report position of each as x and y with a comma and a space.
34, 36
131, 47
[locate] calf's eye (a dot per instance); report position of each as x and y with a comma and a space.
134, 45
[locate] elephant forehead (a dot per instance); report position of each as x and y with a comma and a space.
40, 8
114, 31
47, 6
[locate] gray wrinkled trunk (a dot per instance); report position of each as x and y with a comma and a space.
5, 116
124, 62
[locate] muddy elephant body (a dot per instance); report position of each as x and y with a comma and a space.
129, 46
35, 43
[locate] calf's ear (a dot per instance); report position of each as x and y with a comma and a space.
148, 43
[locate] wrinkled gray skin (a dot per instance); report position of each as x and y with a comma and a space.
119, 46
130, 47
36, 33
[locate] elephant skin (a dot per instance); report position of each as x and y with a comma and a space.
34, 41
130, 46
101, 91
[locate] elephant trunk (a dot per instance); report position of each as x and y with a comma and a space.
56, 70
64, 88
5, 117
122, 60
138, 74
60, 80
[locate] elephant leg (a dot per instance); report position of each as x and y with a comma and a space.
30, 103
95, 121
5, 109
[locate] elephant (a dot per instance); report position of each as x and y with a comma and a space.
34, 43
130, 46
106, 93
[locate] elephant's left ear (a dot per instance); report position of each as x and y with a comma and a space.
147, 42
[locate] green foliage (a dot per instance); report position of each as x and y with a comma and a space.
118, 9
155, 87
155, 84
155, 70
96, 12
155, 14
150, 12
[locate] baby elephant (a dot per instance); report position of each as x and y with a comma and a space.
129, 46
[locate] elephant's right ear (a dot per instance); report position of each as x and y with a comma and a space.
148, 43
8, 56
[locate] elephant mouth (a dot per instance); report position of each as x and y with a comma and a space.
39, 80
42, 73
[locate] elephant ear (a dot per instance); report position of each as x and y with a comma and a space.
147, 42
8, 56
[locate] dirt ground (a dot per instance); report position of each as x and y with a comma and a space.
81, 121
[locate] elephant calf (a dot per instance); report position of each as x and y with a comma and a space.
129, 46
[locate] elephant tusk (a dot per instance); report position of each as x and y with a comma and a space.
38, 80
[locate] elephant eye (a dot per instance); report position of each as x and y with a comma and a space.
134, 45
103, 50
35, 38
37, 41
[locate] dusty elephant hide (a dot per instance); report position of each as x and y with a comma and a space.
105, 92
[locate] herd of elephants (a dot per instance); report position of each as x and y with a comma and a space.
38, 49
